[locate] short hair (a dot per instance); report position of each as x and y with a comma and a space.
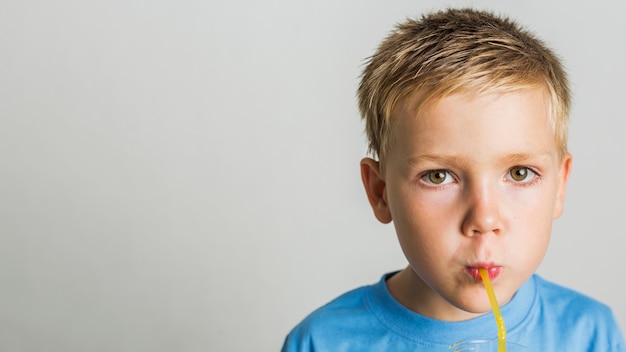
453, 51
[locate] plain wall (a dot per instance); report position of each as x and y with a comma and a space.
183, 175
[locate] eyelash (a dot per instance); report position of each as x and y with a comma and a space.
531, 178
424, 177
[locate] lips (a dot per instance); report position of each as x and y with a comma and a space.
493, 270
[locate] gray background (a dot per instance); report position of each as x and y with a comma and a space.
183, 175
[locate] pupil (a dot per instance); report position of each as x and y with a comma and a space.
437, 176
519, 173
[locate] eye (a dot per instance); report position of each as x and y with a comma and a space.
521, 174
437, 177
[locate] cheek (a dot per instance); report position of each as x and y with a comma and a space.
416, 208
532, 202
531, 226
421, 221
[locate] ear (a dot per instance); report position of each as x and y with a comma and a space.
375, 189
566, 167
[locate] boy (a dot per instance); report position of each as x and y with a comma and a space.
466, 114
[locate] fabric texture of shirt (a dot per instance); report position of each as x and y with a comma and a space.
542, 316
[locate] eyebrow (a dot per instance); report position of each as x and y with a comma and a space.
456, 161
438, 159
520, 158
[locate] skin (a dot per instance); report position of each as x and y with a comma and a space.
468, 181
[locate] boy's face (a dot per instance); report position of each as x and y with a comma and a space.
469, 182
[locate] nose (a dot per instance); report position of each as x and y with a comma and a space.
483, 211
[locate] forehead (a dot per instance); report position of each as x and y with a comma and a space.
471, 125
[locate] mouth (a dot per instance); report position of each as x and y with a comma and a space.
493, 270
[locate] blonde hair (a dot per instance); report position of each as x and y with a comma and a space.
452, 51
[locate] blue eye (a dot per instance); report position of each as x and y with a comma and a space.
437, 177
521, 174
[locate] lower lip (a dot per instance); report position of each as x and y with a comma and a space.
494, 272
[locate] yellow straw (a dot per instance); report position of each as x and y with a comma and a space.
496, 309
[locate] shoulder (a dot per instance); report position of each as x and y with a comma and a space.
339, 319
348, 306
577, 315
568, 301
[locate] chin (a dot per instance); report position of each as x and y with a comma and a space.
477, 309
474, 305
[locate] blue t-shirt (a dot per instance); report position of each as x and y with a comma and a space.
541, 316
